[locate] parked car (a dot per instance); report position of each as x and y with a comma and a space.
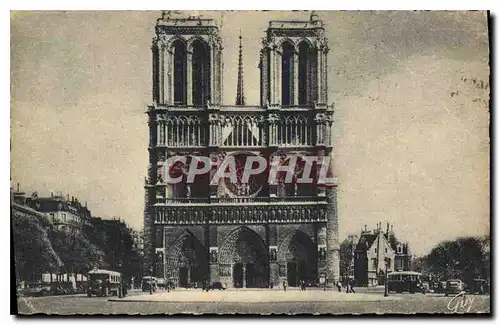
62, 288
37, 289
453, 286
217, 285
479, 286
440, 287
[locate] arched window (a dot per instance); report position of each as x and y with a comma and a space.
201, 73
180, 97
304, 73
286, 74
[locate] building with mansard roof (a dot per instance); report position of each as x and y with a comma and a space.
374, 250
66, 214
252, 233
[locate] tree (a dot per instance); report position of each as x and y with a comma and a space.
462, 258
347, 248
33, 250
77, 252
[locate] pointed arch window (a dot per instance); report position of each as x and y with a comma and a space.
286, 74
201, 73
305, 73
180, 64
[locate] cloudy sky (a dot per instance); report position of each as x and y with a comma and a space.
411, 132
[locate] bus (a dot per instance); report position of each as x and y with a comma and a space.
149, 283
402, 281
104, 283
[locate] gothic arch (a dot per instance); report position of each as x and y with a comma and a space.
297, 245
186, 255
190, 43
243, 245
178, 48
245, 255
169, 44
200, 71
306, 41
297, 253
286, 40
287, 75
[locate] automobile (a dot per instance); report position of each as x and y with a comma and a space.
311, 283
62, 288
440, 287
149, 283
453, 286
479, 286
37, 289
217, 285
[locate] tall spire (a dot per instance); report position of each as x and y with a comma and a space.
240, 97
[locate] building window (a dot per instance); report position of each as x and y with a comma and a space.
388, 263
374, 263
201, 74
52, 217
64, 217
399, 249
286, 74
375, 250
180, 79
386, 249
304, 73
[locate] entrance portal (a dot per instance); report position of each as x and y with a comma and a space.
291, 274
298, 253
245, 250
186, 261
238, 275
251, 276
183, 276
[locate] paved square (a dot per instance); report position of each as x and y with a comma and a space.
255, 296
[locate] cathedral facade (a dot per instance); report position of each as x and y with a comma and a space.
244, 233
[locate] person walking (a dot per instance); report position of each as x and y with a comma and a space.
351, 285
284, 285
339, 286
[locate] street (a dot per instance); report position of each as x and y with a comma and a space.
273, 301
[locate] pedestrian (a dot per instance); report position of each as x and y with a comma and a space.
351, 285
284, 285
339, 286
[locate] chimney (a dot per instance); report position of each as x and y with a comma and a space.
18, 187
387, 230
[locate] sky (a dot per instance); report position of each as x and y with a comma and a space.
411, 137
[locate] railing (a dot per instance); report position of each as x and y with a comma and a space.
240, 200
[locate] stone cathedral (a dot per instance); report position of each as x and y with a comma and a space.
252, 234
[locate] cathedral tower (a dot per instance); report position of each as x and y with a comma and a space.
266, 229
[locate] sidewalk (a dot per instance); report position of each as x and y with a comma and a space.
253, 296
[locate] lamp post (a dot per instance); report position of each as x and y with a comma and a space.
386, 291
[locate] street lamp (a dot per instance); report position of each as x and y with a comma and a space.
386, 291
